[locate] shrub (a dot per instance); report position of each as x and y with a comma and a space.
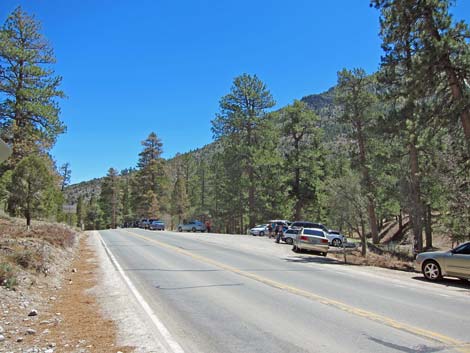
7, 275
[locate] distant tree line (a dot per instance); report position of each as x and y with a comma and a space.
402, 152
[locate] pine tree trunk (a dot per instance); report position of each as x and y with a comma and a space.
428, 227
363, 239
455, 86
251, 198
416, 212
368, 186
296, 192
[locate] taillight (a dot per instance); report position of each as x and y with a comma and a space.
303, 237
324, 241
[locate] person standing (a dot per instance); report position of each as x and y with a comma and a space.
278, 233
208, 226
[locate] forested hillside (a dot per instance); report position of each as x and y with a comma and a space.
389, 146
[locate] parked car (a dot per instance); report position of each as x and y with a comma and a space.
157, 225
438, 264
312, 239
289, 235
143, 223
259, 230
306, 224
284, 223
336, 238
192, 226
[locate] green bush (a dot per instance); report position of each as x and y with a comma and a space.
7, 275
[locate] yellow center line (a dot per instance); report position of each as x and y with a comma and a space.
460, 346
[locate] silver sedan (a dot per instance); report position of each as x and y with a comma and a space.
311, 239
452, 263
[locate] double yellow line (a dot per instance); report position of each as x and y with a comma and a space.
448, 341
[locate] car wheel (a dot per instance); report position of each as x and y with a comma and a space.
194, 229
261, 234
337, 242
180, 229
289, 241
431, 270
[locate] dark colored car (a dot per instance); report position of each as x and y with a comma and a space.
156, 225
306, 224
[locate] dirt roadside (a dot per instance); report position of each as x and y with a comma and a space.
58, 312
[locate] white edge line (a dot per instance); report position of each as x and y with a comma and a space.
171, 342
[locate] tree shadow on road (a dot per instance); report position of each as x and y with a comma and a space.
415, 349
313, 259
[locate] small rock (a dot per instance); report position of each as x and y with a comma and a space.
19, 339
50, 350
33, 312
1, 329
52, 298
2, 338
31, 331
74, 270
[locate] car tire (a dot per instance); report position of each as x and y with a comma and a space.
289, 241
180, 229
194, 230
261, 234
337, 242
432, 270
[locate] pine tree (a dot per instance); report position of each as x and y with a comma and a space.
110, 198
354, 95
32, 188
81, 212
179, 199
29, 112
94, 215
423, 32
239, 126
66, 174
302, 153
151, 177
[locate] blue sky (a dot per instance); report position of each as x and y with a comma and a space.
132, 67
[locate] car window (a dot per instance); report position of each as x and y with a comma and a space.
318, 233
462, 250
292, 231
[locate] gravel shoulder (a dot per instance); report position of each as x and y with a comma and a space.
55, 309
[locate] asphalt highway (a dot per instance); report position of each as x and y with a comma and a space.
220, 293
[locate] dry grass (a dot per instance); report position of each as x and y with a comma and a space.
34, 250
384, 260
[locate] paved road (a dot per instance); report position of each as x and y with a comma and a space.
219, 293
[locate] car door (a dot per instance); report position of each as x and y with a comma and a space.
459, 262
